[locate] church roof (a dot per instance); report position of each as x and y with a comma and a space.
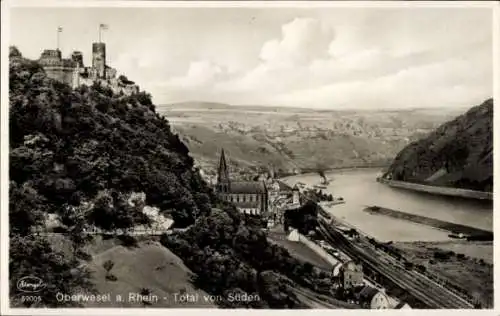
284, 187
248, 187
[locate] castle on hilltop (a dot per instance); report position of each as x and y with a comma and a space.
73, 72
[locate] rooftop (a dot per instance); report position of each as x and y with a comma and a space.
248, 187
367, 293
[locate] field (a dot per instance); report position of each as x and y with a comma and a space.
150, 266
473, 272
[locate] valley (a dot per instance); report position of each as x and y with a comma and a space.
295, 140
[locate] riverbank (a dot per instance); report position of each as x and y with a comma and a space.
469, 266
470, 232
360, 189
309, 172
464, 193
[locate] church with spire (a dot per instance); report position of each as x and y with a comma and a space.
250, 197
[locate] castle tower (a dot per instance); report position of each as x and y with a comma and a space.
295, 195
77, 57
99, 60
223, 181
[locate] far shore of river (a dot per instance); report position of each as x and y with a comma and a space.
447, 191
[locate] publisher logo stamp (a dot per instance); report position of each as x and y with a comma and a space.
30, 284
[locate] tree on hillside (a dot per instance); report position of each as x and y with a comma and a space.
14, 52
108, 265
33, 256
304, 219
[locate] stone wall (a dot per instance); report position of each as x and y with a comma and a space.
60, 73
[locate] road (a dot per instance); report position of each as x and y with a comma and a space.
423, 289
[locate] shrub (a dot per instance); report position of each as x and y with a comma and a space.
408, 265
421, 268
83, 255
111, 277
108, 265
128, 241
442, 255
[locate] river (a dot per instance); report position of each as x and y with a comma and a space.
360, 189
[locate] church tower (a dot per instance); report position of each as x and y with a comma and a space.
223, 182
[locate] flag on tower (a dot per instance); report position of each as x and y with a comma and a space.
59, 30
103, 26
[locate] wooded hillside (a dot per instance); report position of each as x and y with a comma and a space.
458, 154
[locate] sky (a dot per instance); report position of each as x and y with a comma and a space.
329, 58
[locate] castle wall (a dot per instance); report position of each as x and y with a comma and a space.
50, 57
60, 73
77, 58
110, 73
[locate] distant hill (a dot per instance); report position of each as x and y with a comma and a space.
287, 139
214, 105
458, 154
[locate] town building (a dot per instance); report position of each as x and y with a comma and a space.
73, 72
351, 275
282, 197
336, 271
294, 235
250, 197
295, 195
372, 298
402, 305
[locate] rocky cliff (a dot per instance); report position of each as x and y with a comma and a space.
457, 154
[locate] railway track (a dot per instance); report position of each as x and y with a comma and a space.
423, 289
417, 275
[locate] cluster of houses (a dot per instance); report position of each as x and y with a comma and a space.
349, 282
349, 277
